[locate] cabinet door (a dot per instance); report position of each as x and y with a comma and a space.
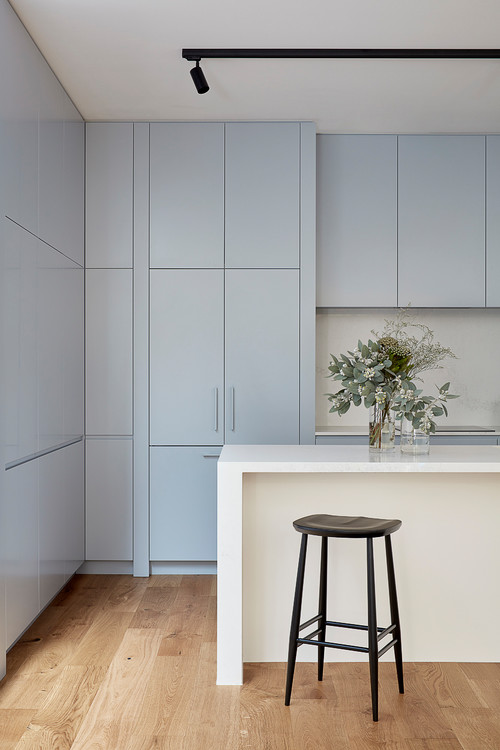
109, 203
262, 195
357, 221
73, 200
493, 221
19, 536
108, 472
50, 159
184, 503
262, 356
187, 355
74, 509
52, 523
19, 361
109, 352
21, 65
187, 195
441, 221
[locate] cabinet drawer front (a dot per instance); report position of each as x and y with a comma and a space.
184, 503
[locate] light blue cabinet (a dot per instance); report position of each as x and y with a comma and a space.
441, 234
262, 355
184, 503
109, 201
187, 357
262, 187
357, 221
187, 195
493, 221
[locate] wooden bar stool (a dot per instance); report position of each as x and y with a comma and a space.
346, 527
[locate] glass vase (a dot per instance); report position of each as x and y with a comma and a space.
413, 441
382, 428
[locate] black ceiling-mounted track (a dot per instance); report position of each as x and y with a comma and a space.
196, 55
387, 53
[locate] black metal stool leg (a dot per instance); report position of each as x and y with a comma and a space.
393, 599
322, 604
372, 628
294, 627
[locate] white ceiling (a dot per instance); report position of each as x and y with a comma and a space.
121, 60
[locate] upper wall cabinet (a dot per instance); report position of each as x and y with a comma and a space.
20, 63
441, 221
262, 195
109, 195
493, 221
187, 195
357, 221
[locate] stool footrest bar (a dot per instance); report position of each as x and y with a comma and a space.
342, 646
351, 626
385, 632
387, 647
309, 622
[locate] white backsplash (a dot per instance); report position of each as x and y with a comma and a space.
474, 336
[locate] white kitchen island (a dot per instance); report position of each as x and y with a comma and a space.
447, 553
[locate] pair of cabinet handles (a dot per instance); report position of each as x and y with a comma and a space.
216, 408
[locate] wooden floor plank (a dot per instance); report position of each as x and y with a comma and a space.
57, 722
13, 723
113, 713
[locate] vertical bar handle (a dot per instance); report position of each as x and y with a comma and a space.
231, 397
216, 409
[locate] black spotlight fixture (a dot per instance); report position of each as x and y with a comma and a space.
199, 79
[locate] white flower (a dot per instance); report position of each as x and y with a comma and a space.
369, 373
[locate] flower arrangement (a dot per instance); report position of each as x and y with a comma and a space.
381, 374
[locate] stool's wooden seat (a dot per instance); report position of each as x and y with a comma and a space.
355, 527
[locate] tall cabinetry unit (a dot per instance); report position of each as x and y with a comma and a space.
200, 240
41, 362
225, 348
109, 288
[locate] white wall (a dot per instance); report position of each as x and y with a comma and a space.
473, 335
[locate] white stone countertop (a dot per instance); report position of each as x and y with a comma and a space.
357, 458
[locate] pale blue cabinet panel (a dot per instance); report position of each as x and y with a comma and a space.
52, 523
108, 499
184, 503
74, 508
50, 159
441, 260
19, 537
59, 324
109, 204
262, 355
187, 195
493, 221
187, 356
72, 216
109, 351
357, 221
20, 64
262, 195
19, 361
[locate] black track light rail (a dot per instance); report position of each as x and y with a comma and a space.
196, 55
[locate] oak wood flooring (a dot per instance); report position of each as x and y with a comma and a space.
117, 663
